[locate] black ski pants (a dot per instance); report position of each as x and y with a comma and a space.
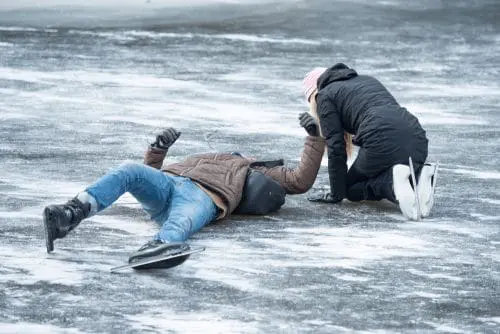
370, 176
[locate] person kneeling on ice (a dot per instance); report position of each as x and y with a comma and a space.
185, 196
347, 104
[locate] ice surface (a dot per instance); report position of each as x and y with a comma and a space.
78, 100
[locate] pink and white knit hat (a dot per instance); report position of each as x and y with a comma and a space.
311, 81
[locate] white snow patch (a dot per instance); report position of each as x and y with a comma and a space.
263, 39
490, 200
20, 214
485, 217
429, 114
422, 294
353, 278
222, 263
445, 328
9, 116
435, 90
89, 77
193, 322
434, 276
440, 224
101, 6
475, 174
29, 186
347, 247
132, 34
128, 225
37, 266
492, 320
21, 328
494, 255
14, 28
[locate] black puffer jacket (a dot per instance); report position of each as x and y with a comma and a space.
362, 106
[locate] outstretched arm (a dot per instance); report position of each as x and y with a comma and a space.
300, 179
158, 150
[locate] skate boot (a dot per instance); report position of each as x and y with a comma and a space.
157, 248
426, 188
59, 220
403, 191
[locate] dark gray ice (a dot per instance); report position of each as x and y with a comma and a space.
79, 97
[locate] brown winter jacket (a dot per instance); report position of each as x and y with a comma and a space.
223, 175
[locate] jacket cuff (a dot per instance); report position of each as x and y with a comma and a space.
157, 150
315, 139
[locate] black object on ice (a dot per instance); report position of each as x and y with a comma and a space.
158, 255
59, 220
261, 195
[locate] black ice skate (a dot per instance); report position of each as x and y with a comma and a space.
60, 219
159, 255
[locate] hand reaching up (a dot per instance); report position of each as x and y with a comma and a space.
166, 139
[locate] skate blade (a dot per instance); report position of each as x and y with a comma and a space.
49, 241
157, 258
435, 176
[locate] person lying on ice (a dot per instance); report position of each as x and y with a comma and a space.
185, 196
346, 104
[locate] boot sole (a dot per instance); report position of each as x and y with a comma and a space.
165, 264
49, 239
162, 261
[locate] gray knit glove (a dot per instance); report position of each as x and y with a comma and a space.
166, 139
309, 123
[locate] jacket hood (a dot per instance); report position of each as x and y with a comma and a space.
337, 72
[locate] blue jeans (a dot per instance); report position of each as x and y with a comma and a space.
175, 202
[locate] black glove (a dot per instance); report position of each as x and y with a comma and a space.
323, 197
309, 123
166, 139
